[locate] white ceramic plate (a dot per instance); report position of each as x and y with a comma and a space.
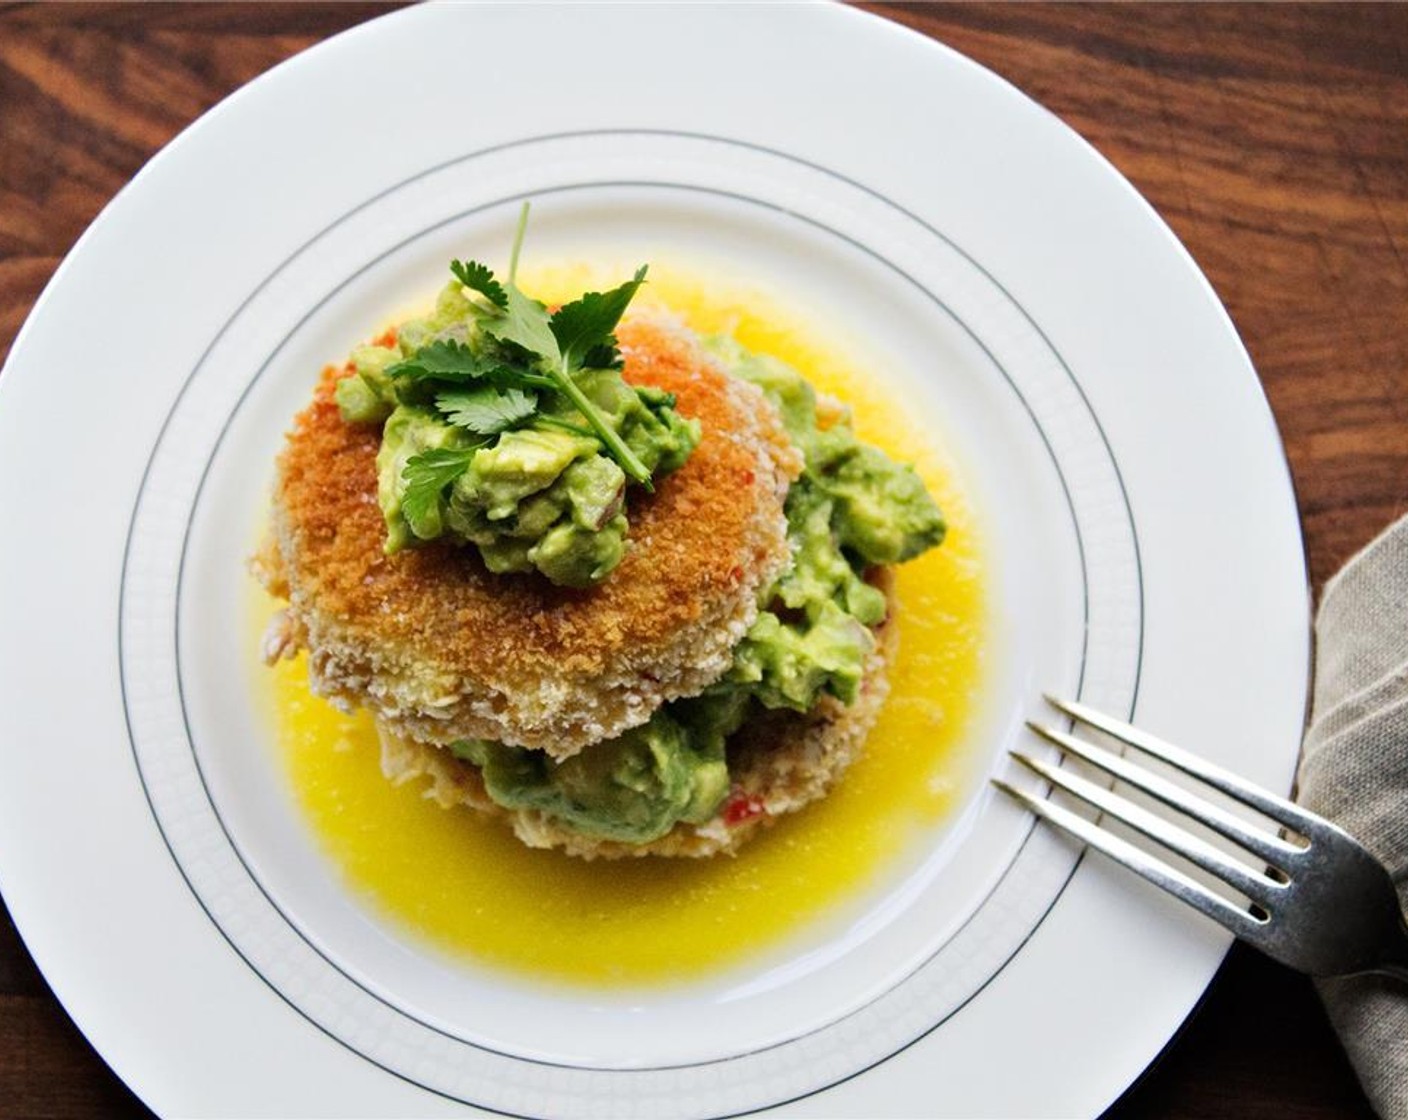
1144, 544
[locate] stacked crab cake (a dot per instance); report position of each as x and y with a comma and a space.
652, 644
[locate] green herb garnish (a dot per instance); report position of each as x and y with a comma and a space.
486, 411
505, 427
580, 334
480, 278
426, 475
553, 348
585, 328
452, 361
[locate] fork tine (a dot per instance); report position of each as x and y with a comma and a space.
1230, 917
1278, 809
1256, 887
1271, 848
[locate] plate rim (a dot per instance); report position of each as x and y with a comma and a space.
70, 261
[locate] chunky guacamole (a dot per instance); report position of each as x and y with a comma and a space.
511, 430
852, 509
632, 788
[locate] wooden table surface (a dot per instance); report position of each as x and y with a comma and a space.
1274, 140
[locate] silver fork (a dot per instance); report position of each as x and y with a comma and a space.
1324, 906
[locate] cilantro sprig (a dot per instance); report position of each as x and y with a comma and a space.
585, 329
426, 476
486, 411
480, 278
487, 394
453, 361
514, 365
579, 335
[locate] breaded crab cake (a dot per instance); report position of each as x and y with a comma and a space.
779, 762
440, 649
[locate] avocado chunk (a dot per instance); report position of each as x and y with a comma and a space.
365, 396
788, 665
633, 788
573, 556
521, 464
882, 512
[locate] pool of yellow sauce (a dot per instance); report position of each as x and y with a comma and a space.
468, 887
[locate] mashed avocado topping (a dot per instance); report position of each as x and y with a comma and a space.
511, 429
633, 788
852, 509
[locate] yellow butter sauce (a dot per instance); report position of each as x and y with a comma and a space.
467, 886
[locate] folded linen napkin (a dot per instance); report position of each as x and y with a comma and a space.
1354, 770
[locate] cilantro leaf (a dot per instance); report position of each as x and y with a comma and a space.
585, 328
480, 278
486, 411
452, 361
426, 475
559, 343
605, 356
525, 322
446, 359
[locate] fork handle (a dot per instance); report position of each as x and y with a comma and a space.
1397, 963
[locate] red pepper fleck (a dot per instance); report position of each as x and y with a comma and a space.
748, 478
742, 808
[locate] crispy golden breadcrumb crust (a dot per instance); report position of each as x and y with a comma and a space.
778, 762
440, 649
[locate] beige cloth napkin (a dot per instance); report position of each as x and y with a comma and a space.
1354, 770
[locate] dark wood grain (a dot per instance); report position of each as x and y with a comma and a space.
1274, 140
